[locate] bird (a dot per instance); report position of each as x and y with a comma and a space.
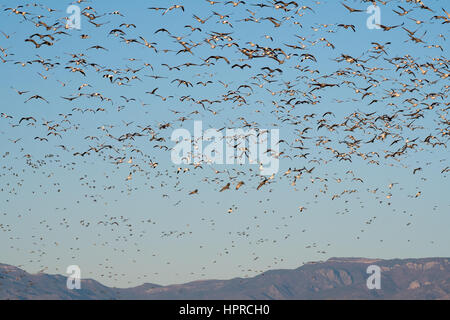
36, 97
351, 9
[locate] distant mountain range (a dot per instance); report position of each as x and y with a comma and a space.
336, 278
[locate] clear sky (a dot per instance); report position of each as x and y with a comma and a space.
57, 209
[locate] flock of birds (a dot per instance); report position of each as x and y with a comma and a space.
113, 101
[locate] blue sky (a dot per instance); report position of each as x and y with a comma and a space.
46, 204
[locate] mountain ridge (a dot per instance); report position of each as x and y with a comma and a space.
335, 278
